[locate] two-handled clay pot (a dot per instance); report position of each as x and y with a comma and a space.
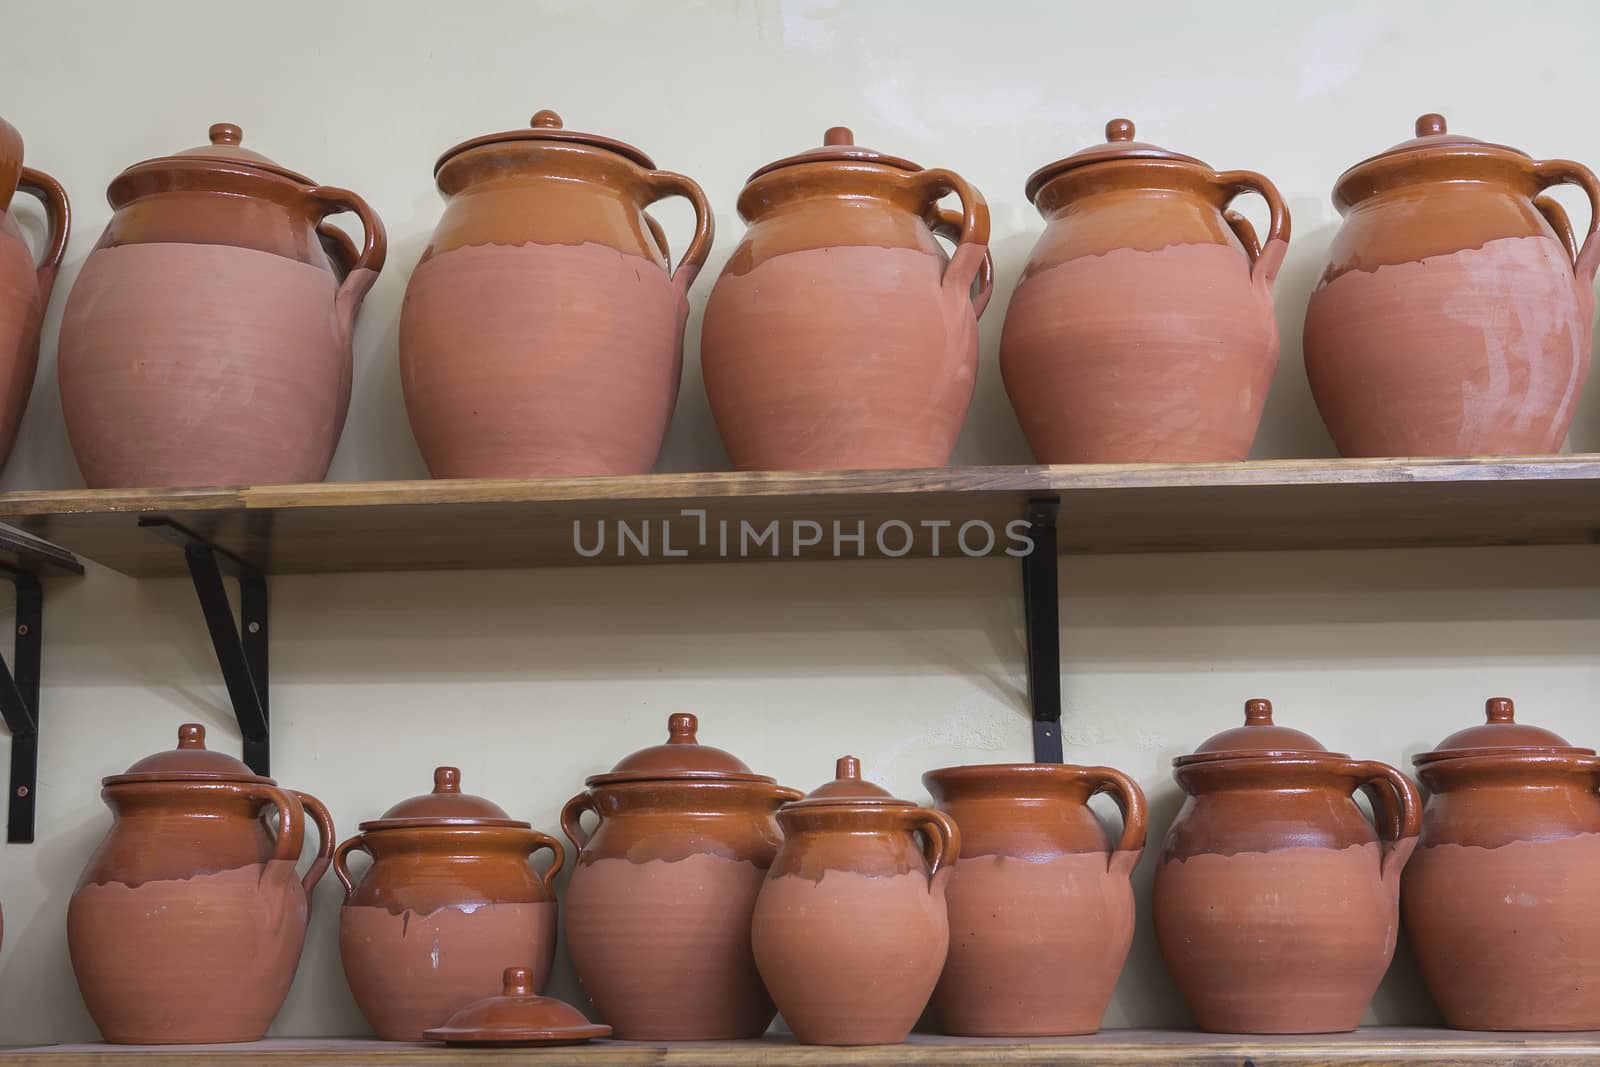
1500, 899
657, 914
850, 930
542, 332
187, 924
207, 338
1142, 330
25, 285
448, 901
1276, 901
839, 335
1453, 318
1040, 905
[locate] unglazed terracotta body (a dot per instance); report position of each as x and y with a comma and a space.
1454, 316
1142, 329
542, 333
1041, 912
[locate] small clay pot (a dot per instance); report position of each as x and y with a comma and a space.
449, 898
186, 926
1276, 902
657, 914
1500, 899
839, 336
850, 930
1142, 330
207, 337
1453, 318
542, 331
1040, 905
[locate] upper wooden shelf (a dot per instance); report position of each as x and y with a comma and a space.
429, 525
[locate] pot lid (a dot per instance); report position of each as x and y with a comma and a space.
838, 145
1119, 145
190, 761
447, 805
517, 1015
1501, 732
227, 147
681, 757
546, 125
849, 788
1259, 736
1433, 135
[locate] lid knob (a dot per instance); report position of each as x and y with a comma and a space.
191, 735
545, 120
1500, 709
681, 729
447, 779
1119, 130
847, 767
1258, 712
1430, 125
838, 135
518, 982
226, 133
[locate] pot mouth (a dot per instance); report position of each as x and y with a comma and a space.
1433, 142
838, 146
1505, 755
973, 774
684, 777
380, 825
547, 126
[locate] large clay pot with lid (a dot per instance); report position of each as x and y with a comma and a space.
850, 930
207, 338
25, 285
1276, 901
187, 924
1142, 330
447, 903
1500, 899
542, 332
657, 914
839, 335
1041, 912
1453, 318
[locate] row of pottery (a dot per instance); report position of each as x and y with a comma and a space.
207, 338
707, 898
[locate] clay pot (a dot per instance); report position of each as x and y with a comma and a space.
187, 924
839, 336
1499, 900
850, 930
542, 332
657, 915
1276, 903
25, 286
1142, 329
1454, 315
207, 338
1040, 905
448, 900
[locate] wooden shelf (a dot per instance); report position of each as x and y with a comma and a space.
1376, 1047
432, 525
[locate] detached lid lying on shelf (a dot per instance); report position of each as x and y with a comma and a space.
446, 806
517, 1016
1259, 736
1501, 734
191, 761
681, 758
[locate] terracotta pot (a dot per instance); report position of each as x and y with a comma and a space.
838, 336
1499, 900
1142, 330
25, 286
187, 924
207, 338
657, 915
850, 930
1454, 316
1040, 904
448, 901
542, 332
1276, 903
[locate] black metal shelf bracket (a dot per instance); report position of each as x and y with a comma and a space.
241, 647
19, 703
1042, 614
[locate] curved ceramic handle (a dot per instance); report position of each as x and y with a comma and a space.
1130, 802
947, 223
1566, 172
341, 862
572, 819
1265, 256
325, 839
972, 239
664, 183
660, 237
537, 841
941, 839
364, 271
58, 216
1397, 810
291, 822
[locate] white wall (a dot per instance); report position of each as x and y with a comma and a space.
531, 680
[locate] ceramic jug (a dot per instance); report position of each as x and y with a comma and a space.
448, 901
25, 286
1276, 902
542, 332
207, 338
1453, 318
850, 929
1500, 899
1142, 330
1040, 904
839, 335
187, 924
657, 914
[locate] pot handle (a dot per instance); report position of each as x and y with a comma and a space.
947, 223
325, 840
1585, 259
572, 819
662, 184
537, 841
1130, 802
1396, 807
58, 216
1265, 256
363, 271
660, 237
291, 822
941, 839
972, 237
341, 862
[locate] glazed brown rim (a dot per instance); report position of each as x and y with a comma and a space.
1028, 770
1373, 166
442, 823
192, 776
730, 777
542, 133
848, 803
1529, 753
216, 163
1304, 755
1051, 171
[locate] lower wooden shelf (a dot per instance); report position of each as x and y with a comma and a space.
1372, 1047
